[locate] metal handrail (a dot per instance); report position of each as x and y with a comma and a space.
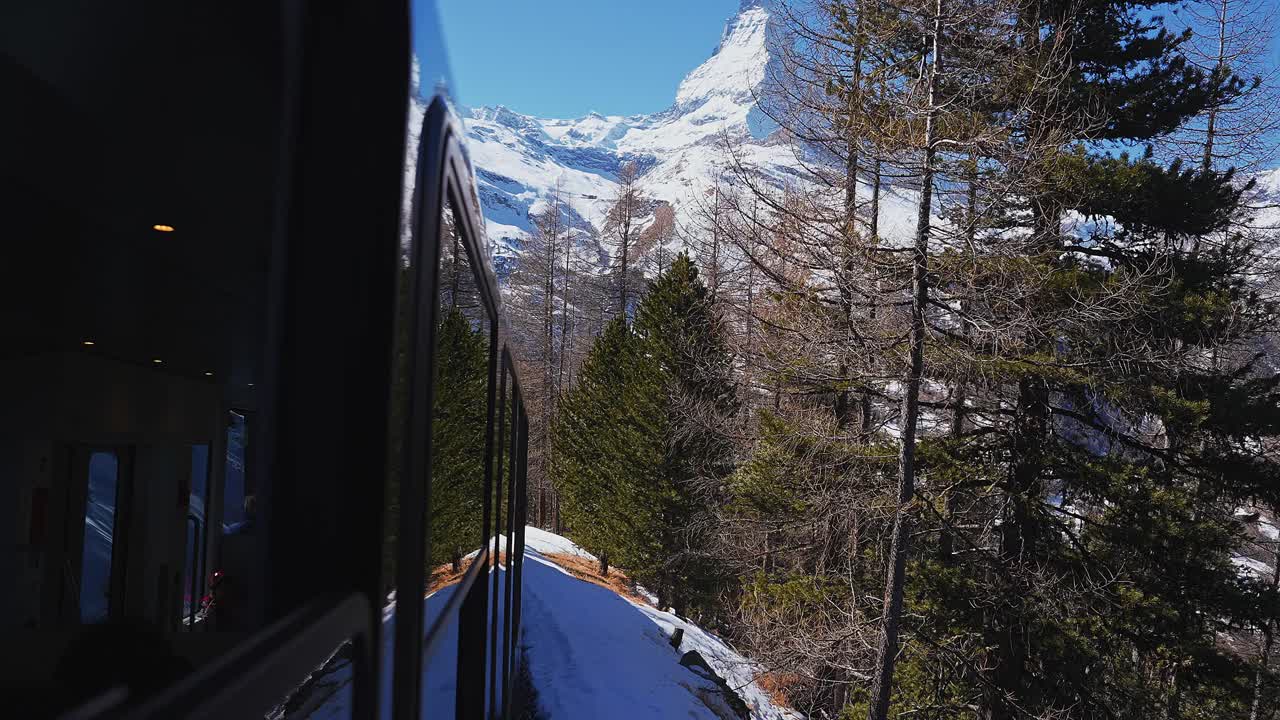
255, 677
459, 596
197, 569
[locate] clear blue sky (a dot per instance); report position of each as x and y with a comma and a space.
565, 58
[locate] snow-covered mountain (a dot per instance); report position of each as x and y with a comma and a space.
519, 159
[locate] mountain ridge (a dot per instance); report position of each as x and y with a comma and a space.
520, 159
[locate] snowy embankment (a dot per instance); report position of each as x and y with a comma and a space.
591, 653
594, 654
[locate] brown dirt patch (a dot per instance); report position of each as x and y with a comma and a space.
443, 576
582, 568
589, 570
777, 684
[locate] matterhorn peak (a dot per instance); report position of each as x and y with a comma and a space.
737, 67
523, 160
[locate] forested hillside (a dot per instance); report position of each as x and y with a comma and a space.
973, 412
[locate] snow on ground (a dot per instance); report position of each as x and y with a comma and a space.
544, 542
332, 694
596, 654
1257, 567
1269, 531
591, 654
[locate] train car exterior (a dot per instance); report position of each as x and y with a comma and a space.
262, 433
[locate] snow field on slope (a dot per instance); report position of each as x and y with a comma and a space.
520, 159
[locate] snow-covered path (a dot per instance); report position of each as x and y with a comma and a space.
595, 654
591, 654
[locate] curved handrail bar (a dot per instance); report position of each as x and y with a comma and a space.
261, 672
452, 607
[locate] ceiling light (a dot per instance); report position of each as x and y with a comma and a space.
208, 374
162, 228
88, 343
157, 361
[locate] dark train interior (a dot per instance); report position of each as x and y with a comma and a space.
217, 374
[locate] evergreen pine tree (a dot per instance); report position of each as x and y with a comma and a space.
682, 331
1111, 447
457, 436
640, 443
608, 451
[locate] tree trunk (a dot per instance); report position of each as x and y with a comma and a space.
882, 682
565, 327
1206, 162
849, 233
714, 279
622, 279
873, 232
1018, 541
1268, 633
946, 540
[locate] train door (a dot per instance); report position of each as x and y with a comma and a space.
99, 482
135, 534
197, 534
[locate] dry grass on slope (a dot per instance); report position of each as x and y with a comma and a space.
443, 576
580, 567
589, 570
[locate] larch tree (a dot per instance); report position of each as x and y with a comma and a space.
641, 443
1230, 38
622, 226
537, 297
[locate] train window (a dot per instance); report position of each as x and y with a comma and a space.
142, 178
234, 476
325, 694
193, 581
99, 535
402, 498
458, 428
459, 431
503, 490
197, 368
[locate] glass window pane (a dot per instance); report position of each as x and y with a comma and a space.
326, 694
197, 534
461, 401
233, 492
459, 424
99, 536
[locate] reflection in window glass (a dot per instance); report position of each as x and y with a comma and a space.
461, 401
234, 477
402, 369
326, 694
501, 517
99, 536
458, 427
397, 428
193, 580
